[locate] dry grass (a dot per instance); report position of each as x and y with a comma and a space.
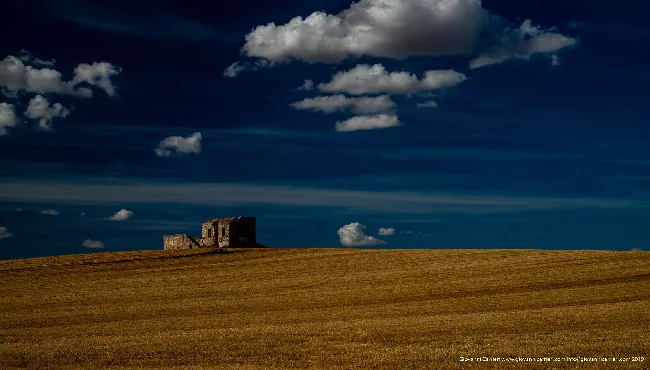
321, 308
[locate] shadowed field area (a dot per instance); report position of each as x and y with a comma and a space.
279, 308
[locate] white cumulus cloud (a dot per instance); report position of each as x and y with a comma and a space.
368, 123
8, 118
4, 233
353, 235
178, 145
367, 79
334, 103
96, 74
50, 212
121, 215
39, 108
15, 76
380, 28
386, 231
522, 43
92, 244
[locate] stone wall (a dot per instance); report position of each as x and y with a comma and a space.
224, 229
204, 243
182, 241
209, 232
178, 241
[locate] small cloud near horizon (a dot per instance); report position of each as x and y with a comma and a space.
386, 231
353, 235
92, 244
4, 233
178, 145
49, 212
121, 215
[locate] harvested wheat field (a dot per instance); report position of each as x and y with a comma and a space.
327, 308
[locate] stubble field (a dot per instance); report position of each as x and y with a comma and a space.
327, 308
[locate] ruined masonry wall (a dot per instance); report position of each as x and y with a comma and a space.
224, 240
205, 227
181, 241
178, 241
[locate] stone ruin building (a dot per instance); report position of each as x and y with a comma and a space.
232, 232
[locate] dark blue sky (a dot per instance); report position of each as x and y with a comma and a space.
538, 137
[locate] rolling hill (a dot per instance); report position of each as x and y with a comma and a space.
321, 308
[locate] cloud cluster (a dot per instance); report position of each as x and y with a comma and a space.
16, 77
121, 215
386, 231
337, 103
39, 108
4, 233
395, 29
366, 79
92, 244
49, 212
353, 235
19, 76
178, 145
399, 29
375, 112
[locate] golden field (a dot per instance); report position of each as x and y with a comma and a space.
326, 308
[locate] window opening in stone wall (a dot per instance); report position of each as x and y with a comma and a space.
209, 233
223, 231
